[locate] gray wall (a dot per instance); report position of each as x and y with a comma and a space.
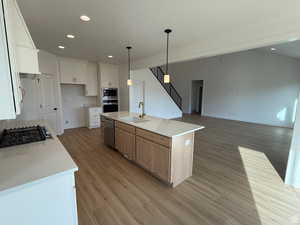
249, 86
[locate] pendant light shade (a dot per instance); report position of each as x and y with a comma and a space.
166, 78
167, 75
129, 81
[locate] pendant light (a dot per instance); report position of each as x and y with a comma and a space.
167, 75
129, 81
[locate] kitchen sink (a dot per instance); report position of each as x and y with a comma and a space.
134, 119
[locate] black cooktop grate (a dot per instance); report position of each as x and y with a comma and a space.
19, 136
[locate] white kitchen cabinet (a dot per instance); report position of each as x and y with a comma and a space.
27, 59
9, 88
11, 39
109, 75
49, 201
72, 71
48, 63
93, 117
18, 55
25, 52
91, 87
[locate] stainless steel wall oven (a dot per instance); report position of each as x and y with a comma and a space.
110, 101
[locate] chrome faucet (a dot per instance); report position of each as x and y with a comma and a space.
141, 104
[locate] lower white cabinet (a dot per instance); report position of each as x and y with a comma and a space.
93, 117
50, 201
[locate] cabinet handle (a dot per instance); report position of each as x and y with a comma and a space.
22, 93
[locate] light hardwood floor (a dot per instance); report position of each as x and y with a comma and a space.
274, 142
233, 181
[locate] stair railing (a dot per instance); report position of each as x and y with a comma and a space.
159, 74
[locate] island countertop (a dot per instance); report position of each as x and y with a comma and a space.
165, 127
24, 164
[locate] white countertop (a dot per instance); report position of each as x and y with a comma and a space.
165, 127
23, 164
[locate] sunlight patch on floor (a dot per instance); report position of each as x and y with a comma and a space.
262, 179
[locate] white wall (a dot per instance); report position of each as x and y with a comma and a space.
248, 86
293, 167
123, 88
74, 102
157, 101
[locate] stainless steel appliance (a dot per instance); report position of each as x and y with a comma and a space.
108, 128
110, 92
110, 100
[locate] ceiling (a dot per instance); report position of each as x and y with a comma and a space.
117, 23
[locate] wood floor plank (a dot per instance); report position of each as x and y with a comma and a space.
234, 181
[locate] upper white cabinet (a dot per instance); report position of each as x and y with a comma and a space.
72, 71
109, 75
48, 63
18, 55
7, 99
25, 52
91, 87
27, 59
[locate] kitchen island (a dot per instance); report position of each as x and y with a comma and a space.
163, 147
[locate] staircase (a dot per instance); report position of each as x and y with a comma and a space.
159, 74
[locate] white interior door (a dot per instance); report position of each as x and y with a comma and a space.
49, 101
136, 95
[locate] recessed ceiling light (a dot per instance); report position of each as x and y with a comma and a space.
85, 18
61, 47
70, 36
110, 56
273, 49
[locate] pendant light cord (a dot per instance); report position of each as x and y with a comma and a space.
128, 64
167, 65
167, 31
128, 61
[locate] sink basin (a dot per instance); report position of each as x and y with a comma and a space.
134, 119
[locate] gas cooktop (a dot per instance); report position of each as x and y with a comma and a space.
24, 135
